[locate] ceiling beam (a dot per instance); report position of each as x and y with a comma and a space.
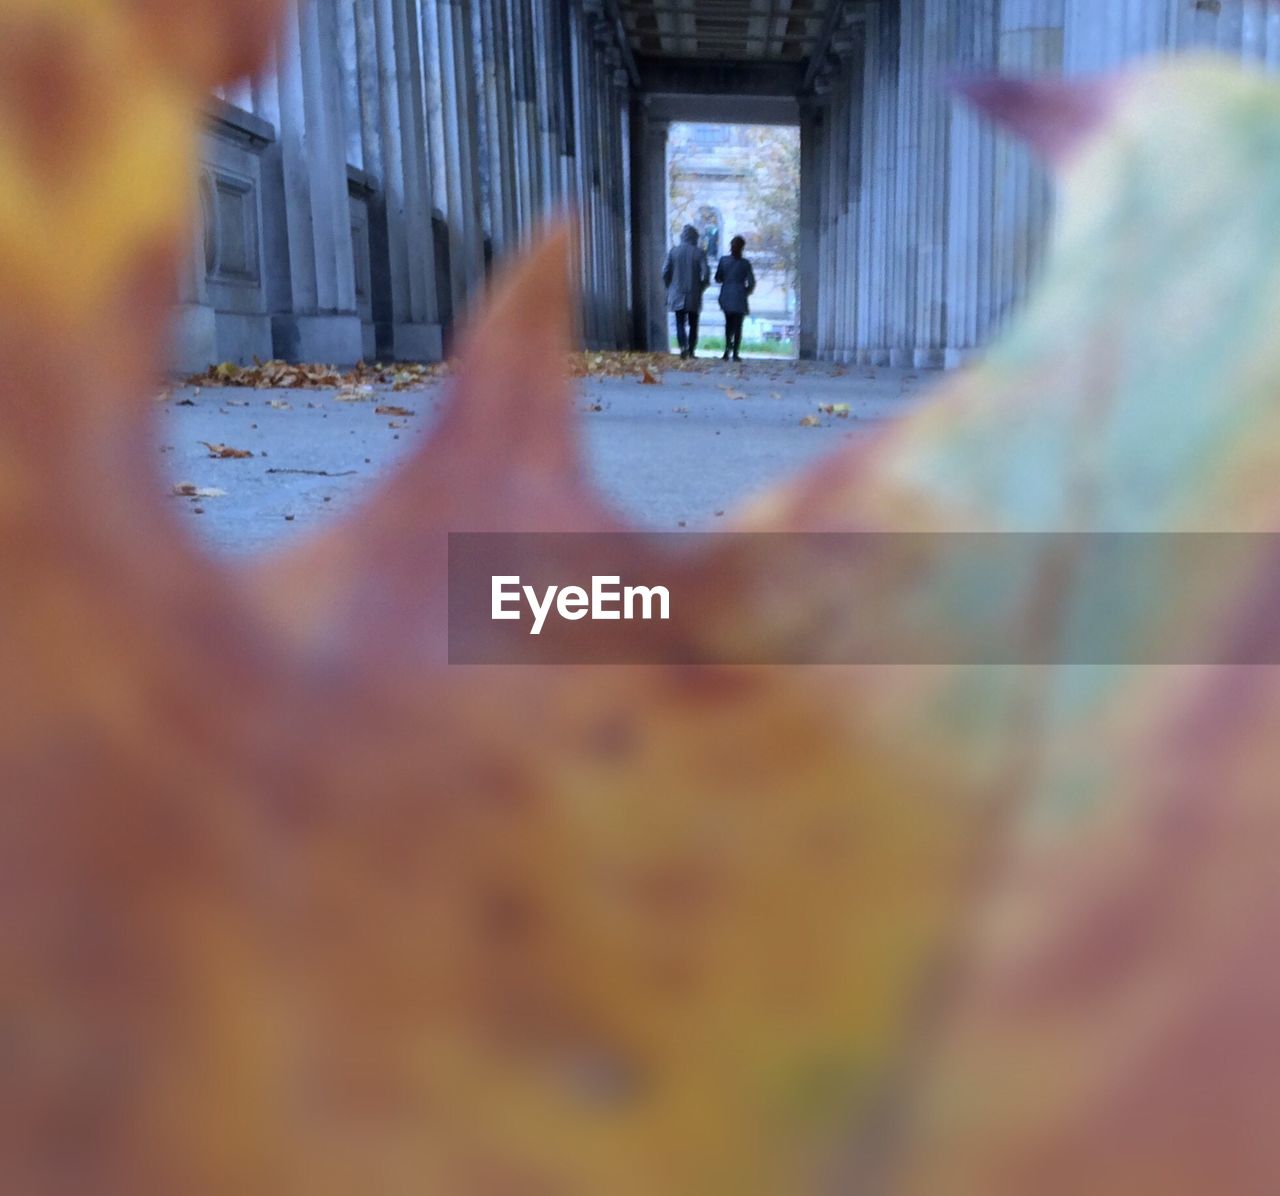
667, 76
835, 16
623, 39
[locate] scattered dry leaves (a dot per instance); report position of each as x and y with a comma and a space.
283, 375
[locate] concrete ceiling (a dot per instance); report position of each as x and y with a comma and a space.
734, 30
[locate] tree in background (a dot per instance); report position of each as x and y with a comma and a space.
682, 198
772, 197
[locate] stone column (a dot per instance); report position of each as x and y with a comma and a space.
649, 235
194, 340
839, 199
545, 80
451, 42
619, 190
582, 191
826, 223
851, 185
1260, 32
349, 57
937, 53
445, 87
1101, 34
314, 314
908, 184
527, 158
1249, 28
971, 180
622, 203
468, 123
1031, 43
879, 229
826, 274
810, 214
497, 105
417, 332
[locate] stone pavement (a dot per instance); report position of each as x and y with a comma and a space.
677, 453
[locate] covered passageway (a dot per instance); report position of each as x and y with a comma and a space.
355, 199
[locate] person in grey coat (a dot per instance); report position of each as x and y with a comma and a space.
737, 280
686, 275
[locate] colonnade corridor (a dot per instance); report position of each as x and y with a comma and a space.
356, 197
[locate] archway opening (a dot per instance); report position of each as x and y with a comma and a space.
729, 180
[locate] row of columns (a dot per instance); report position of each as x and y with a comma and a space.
926, 226
463, 125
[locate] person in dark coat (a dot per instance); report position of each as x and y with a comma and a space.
737, 280
686, 275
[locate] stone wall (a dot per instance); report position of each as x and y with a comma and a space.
927, 225
355, 198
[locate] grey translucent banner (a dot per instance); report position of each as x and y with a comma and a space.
864, 598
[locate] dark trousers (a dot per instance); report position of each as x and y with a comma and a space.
733, 331
687, 330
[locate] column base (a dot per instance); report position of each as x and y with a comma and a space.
334, 340
194, 341
929, 359
418, 342
902, 359
955, 359
241, 338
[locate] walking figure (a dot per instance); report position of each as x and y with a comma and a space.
737, 280
686, 275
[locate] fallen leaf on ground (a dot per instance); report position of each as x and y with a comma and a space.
647, 377
811, 421
388, 409
191, 490
225, 452
839, 410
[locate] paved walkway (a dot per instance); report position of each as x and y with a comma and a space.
671, 454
